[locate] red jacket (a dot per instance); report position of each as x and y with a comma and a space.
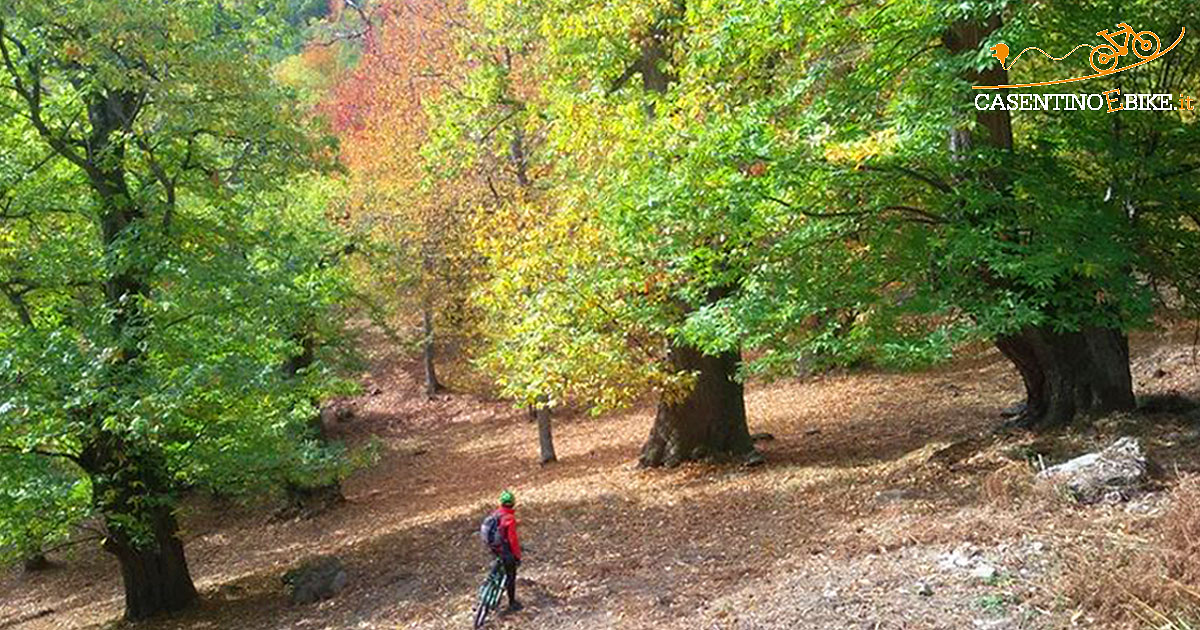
508, 531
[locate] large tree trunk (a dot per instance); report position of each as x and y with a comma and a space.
155, 573
545, 436
1070, 373
995, 125
131, 483
709, 423
131, 488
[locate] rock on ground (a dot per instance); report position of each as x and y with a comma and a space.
317, 579
1112, 474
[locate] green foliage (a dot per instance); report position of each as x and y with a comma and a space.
40, 500
163, 243
855, 153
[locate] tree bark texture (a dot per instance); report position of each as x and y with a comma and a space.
709, 423
1070, 373
155, 574
131, 488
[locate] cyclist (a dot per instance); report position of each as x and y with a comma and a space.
510, 546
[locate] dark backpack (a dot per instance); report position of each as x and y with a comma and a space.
489, 533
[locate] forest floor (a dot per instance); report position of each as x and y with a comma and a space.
887, 501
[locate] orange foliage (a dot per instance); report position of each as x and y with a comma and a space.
378, 111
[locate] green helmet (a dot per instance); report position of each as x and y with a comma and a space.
507, 498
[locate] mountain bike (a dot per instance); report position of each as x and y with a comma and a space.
490, 592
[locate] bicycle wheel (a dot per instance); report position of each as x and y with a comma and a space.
489, 594
1104, 59
483, 606
481, 611
1146, 44
495, 592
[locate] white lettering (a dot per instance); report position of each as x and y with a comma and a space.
1113, 100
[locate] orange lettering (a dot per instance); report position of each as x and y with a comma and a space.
1111, 97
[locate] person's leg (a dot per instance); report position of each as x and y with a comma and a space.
510, 569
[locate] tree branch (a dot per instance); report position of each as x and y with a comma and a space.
8, 448
32, 95
923, 216
936, 184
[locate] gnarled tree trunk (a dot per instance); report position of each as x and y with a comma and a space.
709, 423
131, 488
1070, 373
155, 573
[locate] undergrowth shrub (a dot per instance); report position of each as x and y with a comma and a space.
1148, 574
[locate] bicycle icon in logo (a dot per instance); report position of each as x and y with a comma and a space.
1106, 57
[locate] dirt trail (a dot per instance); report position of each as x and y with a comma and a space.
852, 523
